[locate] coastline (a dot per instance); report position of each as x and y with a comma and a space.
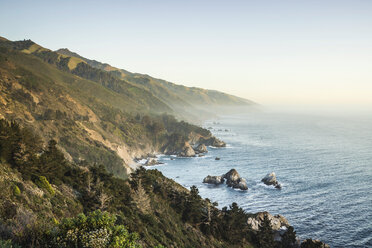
178, 174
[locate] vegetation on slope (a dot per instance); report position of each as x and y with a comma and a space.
188, 101
158, 209
88, 119
66, 139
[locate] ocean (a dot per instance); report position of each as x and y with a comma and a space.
324, 164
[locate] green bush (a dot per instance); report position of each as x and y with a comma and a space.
8, 244
43, 183
97, 229
16, 190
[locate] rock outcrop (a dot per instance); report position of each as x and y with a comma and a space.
276, 222
310, 243
270, 179
187, 151
181, 150
201, 148
212, 141
152, 161
234, 180
232, 177
214, 180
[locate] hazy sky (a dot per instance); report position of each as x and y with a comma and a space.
272, 52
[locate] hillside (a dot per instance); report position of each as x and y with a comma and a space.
69, 137
49, 202
92, 117
181, 98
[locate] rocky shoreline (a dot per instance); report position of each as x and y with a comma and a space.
195, 147
278, 223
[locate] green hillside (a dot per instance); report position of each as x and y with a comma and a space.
181, 98
93, 116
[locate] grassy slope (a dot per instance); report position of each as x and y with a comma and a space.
181, 98
90, 121
136, 98
23, 76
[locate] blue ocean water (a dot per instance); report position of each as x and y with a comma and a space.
323, 163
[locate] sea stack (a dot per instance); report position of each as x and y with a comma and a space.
213, 179
270, 179
234, 180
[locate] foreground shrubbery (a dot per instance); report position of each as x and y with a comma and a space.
95, 230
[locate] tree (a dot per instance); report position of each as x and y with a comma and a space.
193, 206
265, 234
141, 198
289, 238
52, 163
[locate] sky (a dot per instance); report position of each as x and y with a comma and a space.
293, 53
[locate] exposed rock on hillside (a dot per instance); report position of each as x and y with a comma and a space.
212, 141
276, 222
152, 161
187, 151
201, 148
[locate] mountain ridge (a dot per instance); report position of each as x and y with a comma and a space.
194, 96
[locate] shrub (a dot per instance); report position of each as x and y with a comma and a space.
43, 183
97, 229
16, 190
8, 244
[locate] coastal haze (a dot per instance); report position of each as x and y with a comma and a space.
306, 53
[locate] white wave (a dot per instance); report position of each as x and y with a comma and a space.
142, 161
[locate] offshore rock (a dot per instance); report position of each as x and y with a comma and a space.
277, 222
213, 179
242, 184
231, 176
234, 180
270, 179
309, 243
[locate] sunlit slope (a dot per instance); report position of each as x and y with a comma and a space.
173, 94
133, 98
